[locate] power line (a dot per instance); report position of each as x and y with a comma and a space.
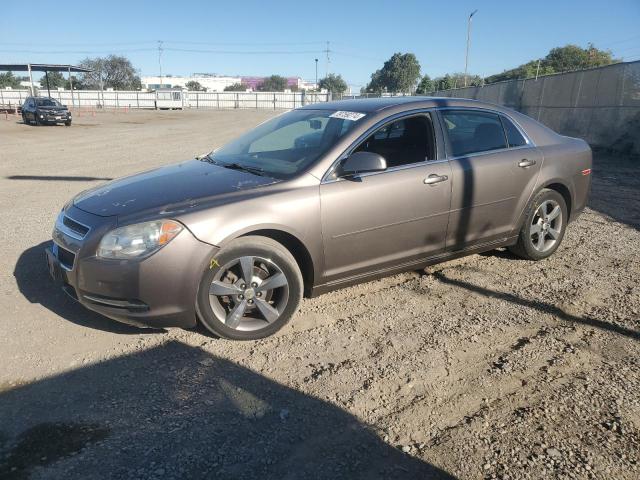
245, 52
244, 44
84, 52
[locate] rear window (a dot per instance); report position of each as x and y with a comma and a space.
514, 137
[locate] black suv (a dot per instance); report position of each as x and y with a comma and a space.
45, 110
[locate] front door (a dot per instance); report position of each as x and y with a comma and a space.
383, 219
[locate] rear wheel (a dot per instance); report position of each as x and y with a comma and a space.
544, 226
252, 291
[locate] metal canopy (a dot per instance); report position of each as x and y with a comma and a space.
41, 67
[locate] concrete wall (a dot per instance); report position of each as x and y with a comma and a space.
601, 105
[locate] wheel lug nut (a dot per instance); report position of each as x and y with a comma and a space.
250, 302
243, 286
254, 284
259, 294
241, 297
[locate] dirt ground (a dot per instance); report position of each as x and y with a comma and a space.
484, 367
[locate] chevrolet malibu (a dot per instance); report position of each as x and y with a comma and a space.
318, 198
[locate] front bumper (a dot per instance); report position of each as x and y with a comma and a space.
156, 291
54, 117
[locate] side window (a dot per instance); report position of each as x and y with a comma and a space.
514, 137
403, 142
473, 132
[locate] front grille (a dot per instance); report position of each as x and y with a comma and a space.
66, 257
75, 227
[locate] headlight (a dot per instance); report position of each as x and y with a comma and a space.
137, 240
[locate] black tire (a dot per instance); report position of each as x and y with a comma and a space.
525, 247
259, 247
67, 123
24, 119
36, 120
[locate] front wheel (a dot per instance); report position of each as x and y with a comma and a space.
67, 123
544, 226
252, 290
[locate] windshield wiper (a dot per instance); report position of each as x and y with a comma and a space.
244, 168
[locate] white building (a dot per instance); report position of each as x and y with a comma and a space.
212, 83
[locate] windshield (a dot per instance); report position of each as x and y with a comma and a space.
46, 102
288, 144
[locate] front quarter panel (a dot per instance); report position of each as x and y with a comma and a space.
292, 207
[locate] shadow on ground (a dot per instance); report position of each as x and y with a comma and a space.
177, 412
543, 307
32, 277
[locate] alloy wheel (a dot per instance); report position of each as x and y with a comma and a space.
546, 226
248, 293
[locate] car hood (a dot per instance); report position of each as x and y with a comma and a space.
163, 188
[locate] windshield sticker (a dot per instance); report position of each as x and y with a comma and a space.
353, 116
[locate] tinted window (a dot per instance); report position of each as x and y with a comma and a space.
473, 132
514, 137
405, 141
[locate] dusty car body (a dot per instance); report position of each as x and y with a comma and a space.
399, 186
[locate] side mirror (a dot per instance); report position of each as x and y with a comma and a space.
362, 162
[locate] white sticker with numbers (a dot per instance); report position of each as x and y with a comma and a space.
353, 116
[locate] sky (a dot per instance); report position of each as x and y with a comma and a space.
285, 37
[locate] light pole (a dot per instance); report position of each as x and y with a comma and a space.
316, 74
466, 58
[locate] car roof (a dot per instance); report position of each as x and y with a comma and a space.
370, 105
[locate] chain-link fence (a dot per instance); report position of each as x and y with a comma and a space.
600, 105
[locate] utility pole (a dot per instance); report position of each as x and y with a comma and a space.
466, 58
327, 51
160, 60
316, 74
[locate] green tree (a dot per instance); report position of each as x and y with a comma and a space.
398, 74
274, 83
333, 83
237, 87
559, 59
113, 71
194, 86
56, 79
426, 85
572, 57
9, 80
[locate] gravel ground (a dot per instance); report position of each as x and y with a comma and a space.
484, 367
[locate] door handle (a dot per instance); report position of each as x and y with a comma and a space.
524, 163
433, 179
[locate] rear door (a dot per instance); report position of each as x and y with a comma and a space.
494, 169
380, 220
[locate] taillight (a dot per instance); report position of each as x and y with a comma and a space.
586, 171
